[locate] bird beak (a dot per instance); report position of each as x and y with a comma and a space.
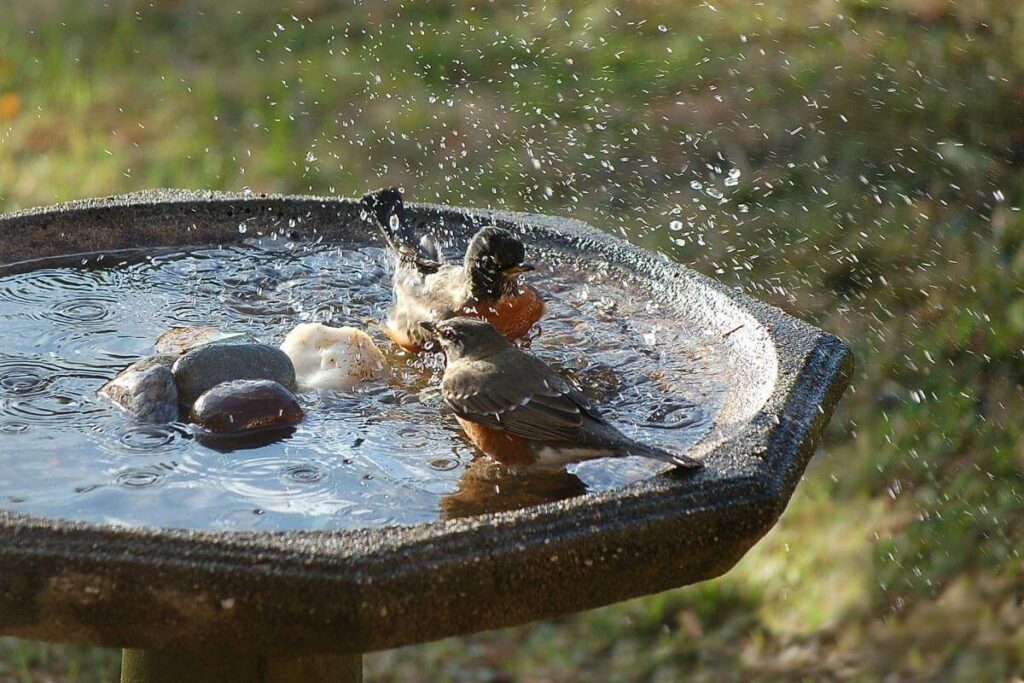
521, 268
429, 326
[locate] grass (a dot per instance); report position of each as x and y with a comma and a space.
859, 163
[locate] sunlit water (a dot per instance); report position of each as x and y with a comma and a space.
387, 454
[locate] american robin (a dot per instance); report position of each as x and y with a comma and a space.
518, 410
486, 285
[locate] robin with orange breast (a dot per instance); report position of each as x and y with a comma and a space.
487, 285
518, 410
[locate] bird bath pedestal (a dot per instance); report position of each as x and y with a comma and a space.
303, 606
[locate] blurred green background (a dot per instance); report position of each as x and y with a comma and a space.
859, 163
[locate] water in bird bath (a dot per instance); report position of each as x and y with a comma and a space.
389, 453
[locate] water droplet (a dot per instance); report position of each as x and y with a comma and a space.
148, 438
23, 380
444, 464
305, 473
138, 478
12, 427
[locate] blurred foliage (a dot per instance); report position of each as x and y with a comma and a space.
859, 163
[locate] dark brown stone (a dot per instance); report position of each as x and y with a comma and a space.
246, 406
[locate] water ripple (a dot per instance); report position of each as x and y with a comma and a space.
389, 453
80, 310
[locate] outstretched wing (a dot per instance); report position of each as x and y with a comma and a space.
388, 210
526, 399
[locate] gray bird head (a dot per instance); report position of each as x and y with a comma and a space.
466, 337
494, 258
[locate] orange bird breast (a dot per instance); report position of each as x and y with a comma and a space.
500, 445
401, 338
513, 315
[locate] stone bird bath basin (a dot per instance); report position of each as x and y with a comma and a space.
303, 605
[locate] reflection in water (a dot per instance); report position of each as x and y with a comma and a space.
229, 443
485, 486
387, 453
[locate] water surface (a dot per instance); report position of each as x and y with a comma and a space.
387, 454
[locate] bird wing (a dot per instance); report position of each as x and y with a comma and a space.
420, 297
520, 395
388, 210
433, 296
407, 256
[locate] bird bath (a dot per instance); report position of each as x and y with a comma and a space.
194, 594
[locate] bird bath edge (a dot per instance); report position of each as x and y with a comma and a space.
348, 592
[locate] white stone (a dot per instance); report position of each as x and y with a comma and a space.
333, 357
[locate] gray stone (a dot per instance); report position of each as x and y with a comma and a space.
246, 405
178, 340
204, 367
146, 389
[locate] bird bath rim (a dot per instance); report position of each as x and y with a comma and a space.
361, 590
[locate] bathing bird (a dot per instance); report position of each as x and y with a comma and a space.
486, 285
518, 410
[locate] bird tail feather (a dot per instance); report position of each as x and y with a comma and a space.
661, 454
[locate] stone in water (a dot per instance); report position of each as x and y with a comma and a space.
244, 406
204, 367
333, 357
146, 389
178, 340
